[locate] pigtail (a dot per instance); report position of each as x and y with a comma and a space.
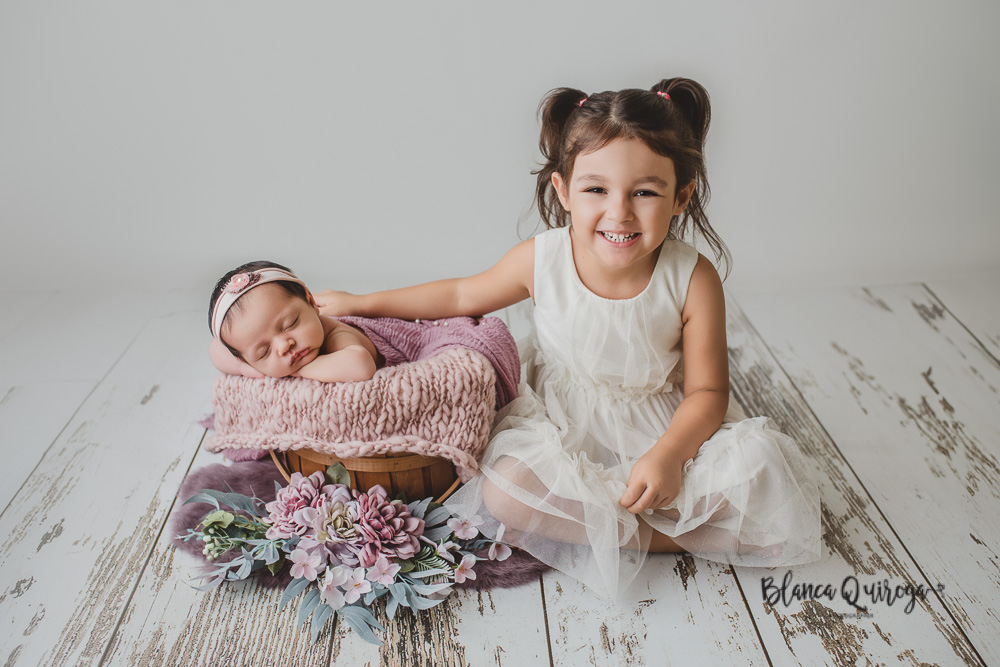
555, 111
689, 103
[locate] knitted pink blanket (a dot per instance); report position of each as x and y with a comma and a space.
439, 406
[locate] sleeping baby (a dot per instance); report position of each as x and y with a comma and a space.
265, 322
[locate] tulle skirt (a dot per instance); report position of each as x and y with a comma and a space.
559, 459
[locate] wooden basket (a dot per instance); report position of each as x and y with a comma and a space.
415, 475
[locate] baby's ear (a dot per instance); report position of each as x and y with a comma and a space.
312, 300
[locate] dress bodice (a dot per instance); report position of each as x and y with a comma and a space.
630, 346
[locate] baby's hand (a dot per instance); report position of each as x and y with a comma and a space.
224, 360
333, 303
654, 482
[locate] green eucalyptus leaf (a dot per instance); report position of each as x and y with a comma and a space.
295, 587
307, 604
337, 474
362, 621
319, 620
220, 518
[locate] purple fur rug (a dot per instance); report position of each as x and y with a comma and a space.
258, 477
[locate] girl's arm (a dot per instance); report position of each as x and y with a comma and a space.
656, 477
509, 281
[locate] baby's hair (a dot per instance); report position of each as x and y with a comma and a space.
671, 118
292, 288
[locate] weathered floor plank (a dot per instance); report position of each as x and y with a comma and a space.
911, 401
501, 626
974, 300
680, 610
169, 622
79, 531
46, 373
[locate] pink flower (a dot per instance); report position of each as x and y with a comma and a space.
328, 591
305, 564
356, 586
284, 512
330, 521
241, 281
464, 569
499, 551
443, 551
465, 529
383, 572
385, 528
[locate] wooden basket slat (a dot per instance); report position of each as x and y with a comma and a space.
415, 475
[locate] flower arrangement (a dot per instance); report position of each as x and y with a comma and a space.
346, 549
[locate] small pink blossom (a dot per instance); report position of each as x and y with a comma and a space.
383, 572
499, 551
328, 591
356, 586
464, 569
443, 551
305, 564
465, 529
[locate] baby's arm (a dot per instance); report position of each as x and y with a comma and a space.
226, 362
655, 479
345, 357
509, 281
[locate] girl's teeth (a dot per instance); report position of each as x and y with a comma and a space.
618, 238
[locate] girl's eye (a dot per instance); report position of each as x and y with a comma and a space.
646, 193
596, 189
294, 322
267, 350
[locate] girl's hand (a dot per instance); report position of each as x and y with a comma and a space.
654, 482
333, 303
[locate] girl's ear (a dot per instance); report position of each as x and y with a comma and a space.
562, 190
683, 197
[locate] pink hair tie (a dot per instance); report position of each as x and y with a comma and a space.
580, 103
664, 95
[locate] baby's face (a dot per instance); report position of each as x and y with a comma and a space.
275, 332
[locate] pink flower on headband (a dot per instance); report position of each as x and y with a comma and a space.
241, 281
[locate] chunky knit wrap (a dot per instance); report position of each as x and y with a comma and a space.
437, 396
442, 406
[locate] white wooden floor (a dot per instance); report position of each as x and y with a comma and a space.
892, 392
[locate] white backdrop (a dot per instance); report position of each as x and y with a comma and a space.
155, 144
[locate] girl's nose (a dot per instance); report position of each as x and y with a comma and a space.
620, 209
286, 344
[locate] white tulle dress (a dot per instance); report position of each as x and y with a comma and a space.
602, 379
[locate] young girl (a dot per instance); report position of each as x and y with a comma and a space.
623, 440
265, 322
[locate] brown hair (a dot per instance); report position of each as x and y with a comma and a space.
294, 289
574, 123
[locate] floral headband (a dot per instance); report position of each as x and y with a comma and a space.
240, 284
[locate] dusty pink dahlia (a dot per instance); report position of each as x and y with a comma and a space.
285, 511
386, 528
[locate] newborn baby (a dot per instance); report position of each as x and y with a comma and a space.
265, 322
